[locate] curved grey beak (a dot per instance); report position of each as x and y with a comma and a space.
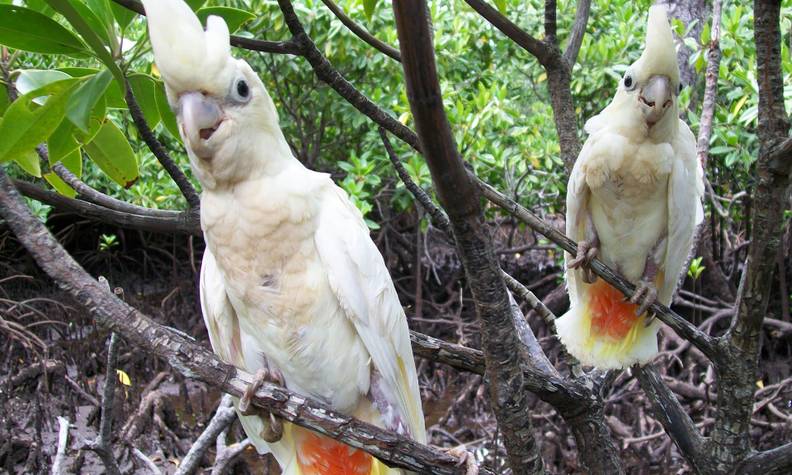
200, 116
656, 95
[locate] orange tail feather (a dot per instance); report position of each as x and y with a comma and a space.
611, 315
319, 455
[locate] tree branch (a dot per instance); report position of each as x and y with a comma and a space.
361, 33
778, 460
550, 22
87, 193
159, 151
184, 222
710, 88
674, 418
578, 31
460, 199
737, 370
194, 361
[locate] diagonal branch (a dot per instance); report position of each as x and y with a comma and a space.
459, 197
184, 222
195, 361
578, 31
673, 417
778, 460
361, 33
159, 151
541, 50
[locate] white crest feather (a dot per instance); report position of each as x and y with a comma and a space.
659, 56
182, 47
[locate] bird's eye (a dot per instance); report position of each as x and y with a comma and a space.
628, 81
240, 92
679, 91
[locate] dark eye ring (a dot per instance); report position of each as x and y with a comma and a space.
628, 81
242, 89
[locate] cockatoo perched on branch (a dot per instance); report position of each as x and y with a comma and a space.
634, 201
292, 287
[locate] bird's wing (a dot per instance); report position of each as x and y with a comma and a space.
685, 211
363, 287
577, 199
220, 317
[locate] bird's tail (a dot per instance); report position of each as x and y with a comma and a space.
303, 452
602, 330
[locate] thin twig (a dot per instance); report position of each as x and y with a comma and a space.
361, 33
102, 445
159, 151
223, 418
63, 443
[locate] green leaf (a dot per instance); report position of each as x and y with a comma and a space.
368, 7
112, 152
29, 161
61, 142
73, 162
3, 99
501, 4
65, 8
195, 4
59, 185
29, 30
93, 21
85, 98
168, 118
26, 124
32, 79
114, 97
233, 17
145, 90
123, 16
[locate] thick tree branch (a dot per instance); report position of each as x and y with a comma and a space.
550, 22
184, 222
459, 197
778, 460
194, 361
737, 370
675, 419
159, 151
711, 87
277, 47
361, 32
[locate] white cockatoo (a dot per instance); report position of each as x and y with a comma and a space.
292, 286
634, 201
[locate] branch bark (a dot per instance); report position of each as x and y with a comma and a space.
460, 199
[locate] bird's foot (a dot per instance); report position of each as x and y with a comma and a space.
465, 458
586, 252
645, 295
273, 426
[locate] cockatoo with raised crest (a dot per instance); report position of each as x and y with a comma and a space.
292, 286
634, 201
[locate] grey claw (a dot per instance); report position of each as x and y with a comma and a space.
650, 319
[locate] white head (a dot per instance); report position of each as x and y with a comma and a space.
647, 96
221, 105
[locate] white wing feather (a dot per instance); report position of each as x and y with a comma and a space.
363, 286
685, 186
576, 202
